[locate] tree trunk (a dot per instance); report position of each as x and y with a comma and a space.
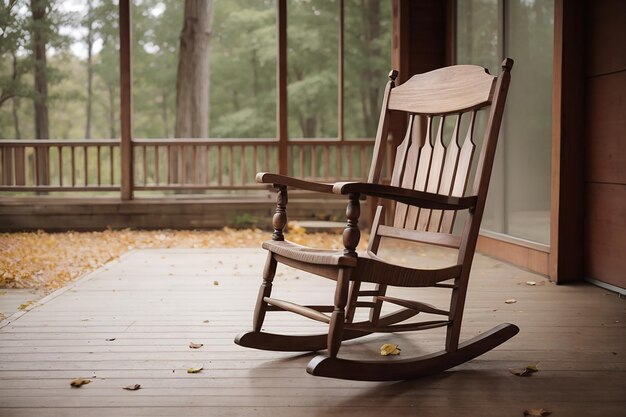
192, 84
89, 69
39, 13
370, 14
15, 101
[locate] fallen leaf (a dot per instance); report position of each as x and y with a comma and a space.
133, 387
26, 305
193, 345
510, 301
216, 283
194, 370
526, 371
109, 340
537, 412
79, 382
531, 283
205, 321
389, 349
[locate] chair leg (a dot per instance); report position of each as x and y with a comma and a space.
269, 271
338, 318
375, 312
355, 287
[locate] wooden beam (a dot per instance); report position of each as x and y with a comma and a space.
281, 88
126, 96
567, 183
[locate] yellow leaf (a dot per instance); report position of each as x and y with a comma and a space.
133, 387
26, 305
193, 345
389, 349
79, 382
526, 371
537, 412
531, 283
216, 283
510, 301
194, 370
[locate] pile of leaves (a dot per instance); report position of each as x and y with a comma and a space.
52, 260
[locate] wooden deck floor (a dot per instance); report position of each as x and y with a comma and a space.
132, 321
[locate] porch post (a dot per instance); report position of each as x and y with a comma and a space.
281, 88
126, 146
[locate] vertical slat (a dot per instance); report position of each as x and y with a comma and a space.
231, 166
73, 164
219, 165
112, 163
434, 174
255, 156
194, 164
326, 163
243, 165
338, 159
170, 163
407, 155
301, 160
85, 166
98, 164
35, 168
144, 153
267, 158
19, 155
423, 169
362, 172
461, 175
448, 173
156, 165
60, 166
314, 161
350, 163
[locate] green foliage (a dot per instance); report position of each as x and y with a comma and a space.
242, 72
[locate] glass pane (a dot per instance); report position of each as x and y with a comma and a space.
238, 91
527, 125
519, 197
312, 42
367, 51
77, 66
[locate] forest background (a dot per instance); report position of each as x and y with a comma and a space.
73, 46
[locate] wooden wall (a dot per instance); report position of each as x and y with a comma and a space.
605, 142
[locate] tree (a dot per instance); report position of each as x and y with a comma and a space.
192, 84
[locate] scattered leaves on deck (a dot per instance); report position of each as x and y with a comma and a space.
526, 371
194, 370
389, 349
537, 412
193, 345
531, 283
52, 260
133, 387
510, 301
79, 382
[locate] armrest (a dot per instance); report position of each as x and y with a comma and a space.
267, 178
404, 195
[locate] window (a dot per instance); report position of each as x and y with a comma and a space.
518, 204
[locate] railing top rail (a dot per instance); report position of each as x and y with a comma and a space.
58, 142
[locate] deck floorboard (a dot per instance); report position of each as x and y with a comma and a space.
131, 321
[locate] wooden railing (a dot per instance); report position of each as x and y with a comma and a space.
173, 164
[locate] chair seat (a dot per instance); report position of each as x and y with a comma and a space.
309, 255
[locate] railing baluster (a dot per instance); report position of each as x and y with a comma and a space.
243, 165
73, 164
326, 163
85, 160
219, 165
60, 157
98, 164
144, 165
231, 164
194, 159
35, 166
156, 164
170, 163
112, 164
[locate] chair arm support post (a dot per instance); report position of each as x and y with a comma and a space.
352, 234
279, 221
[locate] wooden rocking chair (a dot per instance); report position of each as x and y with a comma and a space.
428, 186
